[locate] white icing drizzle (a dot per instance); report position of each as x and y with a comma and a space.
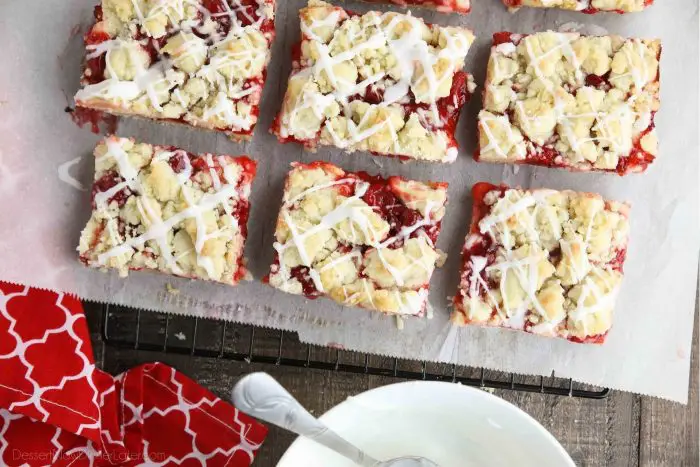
602, 301
527, 274
564, 44
184, 175
352, 209
517, 210
224, 110
613, 131
579, 265
504, 124
159, 230
638, 74
626, 6
506, 48
153, 83
415, 60
478, 286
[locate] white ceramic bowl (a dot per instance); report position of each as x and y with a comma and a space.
453, 425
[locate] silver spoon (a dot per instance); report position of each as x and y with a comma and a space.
261, 396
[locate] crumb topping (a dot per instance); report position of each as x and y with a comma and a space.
360, 240
200, 62
566, 100
381, 82
544, 261
165, 209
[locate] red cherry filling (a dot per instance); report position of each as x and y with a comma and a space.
597, 81
106, 182
503, 36
82, 116
397, 214
177, 161
301, 273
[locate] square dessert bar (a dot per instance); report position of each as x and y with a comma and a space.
386, 83
572, 101
542, 261
197, 62
165, 209
584, 6
358, 239
445, 6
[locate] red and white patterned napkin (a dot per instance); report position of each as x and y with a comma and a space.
57, 408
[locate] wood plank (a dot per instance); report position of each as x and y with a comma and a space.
594, 432
93, 315
669, 432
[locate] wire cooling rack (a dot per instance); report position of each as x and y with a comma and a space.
150, 331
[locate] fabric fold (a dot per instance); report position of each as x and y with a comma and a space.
58, 409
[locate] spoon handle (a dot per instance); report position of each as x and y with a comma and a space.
261, 396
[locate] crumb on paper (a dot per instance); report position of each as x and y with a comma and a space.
571, 26
377, 162
588, 29
442, 257
489, 390
180, 336
399, 323
172, 290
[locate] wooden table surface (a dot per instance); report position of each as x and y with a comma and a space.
622, 430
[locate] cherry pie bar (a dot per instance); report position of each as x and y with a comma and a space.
584, 6
542, 261
165, 209
572, 101
358, 239
445, 6
386, 83
197, 62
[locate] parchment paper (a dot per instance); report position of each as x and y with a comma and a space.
648, 349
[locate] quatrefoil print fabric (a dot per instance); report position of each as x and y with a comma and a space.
58, 409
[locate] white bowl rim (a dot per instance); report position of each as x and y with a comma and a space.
444, 385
